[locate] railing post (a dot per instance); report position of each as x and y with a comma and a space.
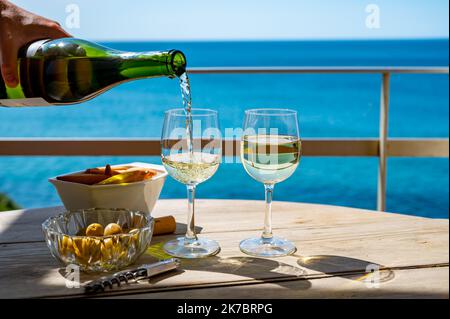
383, 139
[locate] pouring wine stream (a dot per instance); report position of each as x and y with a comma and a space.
187, 103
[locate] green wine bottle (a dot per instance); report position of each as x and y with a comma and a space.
69, 71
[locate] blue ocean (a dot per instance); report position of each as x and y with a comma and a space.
329, 105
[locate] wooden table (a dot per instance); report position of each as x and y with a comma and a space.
336, 248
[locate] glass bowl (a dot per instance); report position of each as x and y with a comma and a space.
65, 237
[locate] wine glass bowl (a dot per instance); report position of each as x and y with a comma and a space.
191, 153
270, 153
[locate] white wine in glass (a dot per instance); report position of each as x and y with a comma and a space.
270, 153
191, 168
270, 159
191, 157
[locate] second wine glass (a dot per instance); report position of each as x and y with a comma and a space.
270, 153
191, 154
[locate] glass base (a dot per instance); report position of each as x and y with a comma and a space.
272, 247
188, 248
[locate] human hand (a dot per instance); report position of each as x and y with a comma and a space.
18, 28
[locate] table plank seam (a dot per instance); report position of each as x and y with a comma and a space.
339, 237
244, 282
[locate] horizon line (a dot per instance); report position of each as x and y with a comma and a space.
272, 40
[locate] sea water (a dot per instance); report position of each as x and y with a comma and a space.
329, 105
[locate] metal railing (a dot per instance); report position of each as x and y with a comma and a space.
383, 147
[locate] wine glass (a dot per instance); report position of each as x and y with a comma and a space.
191, 152
270, 153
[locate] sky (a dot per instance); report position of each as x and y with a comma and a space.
246, 19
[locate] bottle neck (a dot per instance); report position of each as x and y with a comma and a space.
152, 64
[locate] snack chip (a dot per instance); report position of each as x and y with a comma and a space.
110, 175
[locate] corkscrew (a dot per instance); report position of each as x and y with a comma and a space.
143, 272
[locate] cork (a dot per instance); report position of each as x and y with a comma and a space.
164, 225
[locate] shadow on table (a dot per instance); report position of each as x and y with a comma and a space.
261, 269
346, 267
246, 269
249, 270
181, 229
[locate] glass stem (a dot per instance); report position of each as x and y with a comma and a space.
267, 233
190, 232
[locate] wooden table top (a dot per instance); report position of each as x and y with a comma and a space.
336, 248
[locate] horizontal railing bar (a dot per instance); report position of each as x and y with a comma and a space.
315, 69
418, 148
427, 147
